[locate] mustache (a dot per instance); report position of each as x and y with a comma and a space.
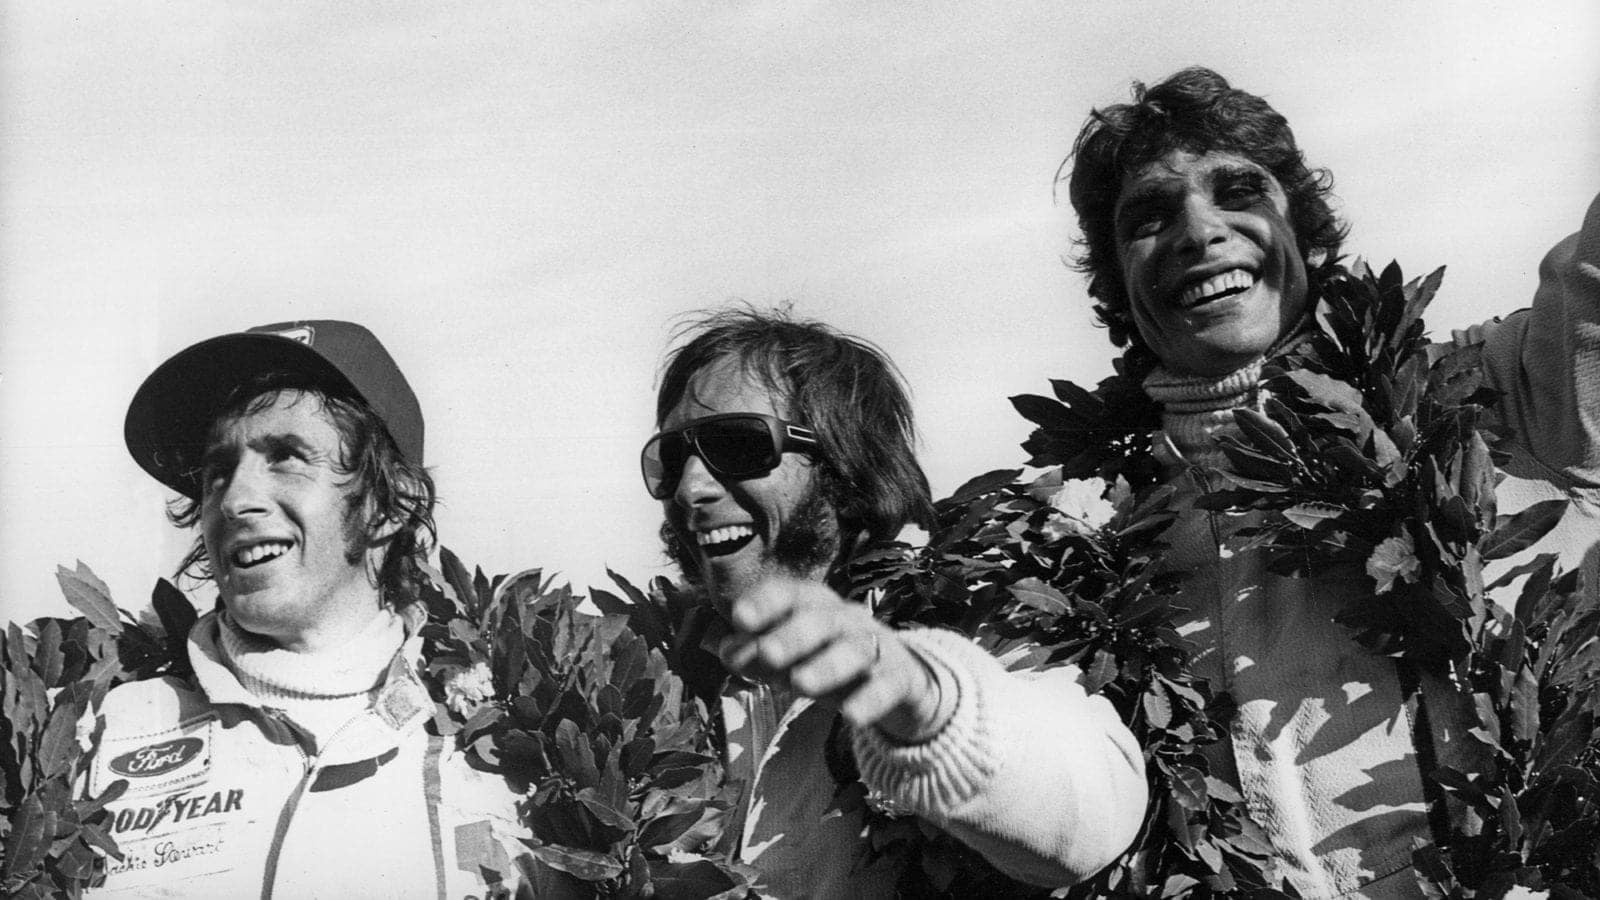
809, 539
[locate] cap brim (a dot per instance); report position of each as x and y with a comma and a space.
172, 412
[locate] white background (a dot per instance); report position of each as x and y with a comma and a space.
520, 199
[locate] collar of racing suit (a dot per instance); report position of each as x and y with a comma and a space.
400, 704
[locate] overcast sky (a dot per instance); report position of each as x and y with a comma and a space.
521, 200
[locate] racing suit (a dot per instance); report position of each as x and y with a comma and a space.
228, 797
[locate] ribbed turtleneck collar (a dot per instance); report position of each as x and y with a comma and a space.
1196, 409
281, 677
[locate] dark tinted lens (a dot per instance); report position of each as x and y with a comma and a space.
662, 462
736, 447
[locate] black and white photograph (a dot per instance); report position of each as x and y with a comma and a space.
730, 450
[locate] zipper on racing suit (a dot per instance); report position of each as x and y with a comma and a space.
312, 761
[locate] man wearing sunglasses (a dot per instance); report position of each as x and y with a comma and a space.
785, 447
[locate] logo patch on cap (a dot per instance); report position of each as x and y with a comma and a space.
304, 334
157, 759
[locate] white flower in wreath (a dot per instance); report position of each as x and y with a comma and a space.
1081, 507
464, 689
1394, 560
680, 857
84, 730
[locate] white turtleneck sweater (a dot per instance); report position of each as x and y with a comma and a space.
319, 691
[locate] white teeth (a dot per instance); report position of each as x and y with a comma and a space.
1231, 280
255, 553
722, 535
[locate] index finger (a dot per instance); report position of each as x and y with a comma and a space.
766, 603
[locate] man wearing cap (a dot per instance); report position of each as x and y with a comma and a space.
783, 449
294, 762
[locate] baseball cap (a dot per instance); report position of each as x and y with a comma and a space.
172, 412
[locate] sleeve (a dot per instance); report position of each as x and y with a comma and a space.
1042, 779
1545, 361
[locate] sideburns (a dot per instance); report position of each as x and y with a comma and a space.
359, 525
358, 531
810, 538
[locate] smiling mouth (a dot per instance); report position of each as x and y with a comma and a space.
1217, 287
725, 540
256, 554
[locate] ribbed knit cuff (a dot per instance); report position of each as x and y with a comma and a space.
937, 775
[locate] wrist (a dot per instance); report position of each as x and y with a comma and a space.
928, 707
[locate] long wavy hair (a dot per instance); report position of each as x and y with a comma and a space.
1197, 111
842, 387
387, 490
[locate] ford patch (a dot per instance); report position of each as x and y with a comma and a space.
155, 759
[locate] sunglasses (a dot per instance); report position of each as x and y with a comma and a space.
732, 445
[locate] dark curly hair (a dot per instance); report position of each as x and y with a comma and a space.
391, 486
1198, 112
841, 386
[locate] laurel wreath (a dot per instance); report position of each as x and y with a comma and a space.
582, 715
1367, 457
55, 674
